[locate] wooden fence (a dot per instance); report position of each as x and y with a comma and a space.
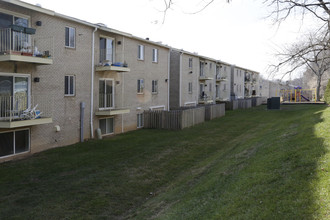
214, 111
182, 118
244, 103
256, 101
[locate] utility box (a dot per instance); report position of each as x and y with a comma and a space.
274, 103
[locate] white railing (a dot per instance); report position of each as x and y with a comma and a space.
22, 107
20, 43
107, 56
106, 101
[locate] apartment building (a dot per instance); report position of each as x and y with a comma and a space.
62, 79
245, 83
237, 82
196, 79
131, 75
251, 83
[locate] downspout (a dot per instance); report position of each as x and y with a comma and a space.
180, 80
92, 83
168, 79
122, 87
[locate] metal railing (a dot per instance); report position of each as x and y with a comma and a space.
109, 56
20, 43
21, 107
106, 101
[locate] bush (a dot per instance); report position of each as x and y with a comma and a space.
327, 93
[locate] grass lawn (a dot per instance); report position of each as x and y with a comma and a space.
250, 164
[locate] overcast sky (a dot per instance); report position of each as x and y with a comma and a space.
237, 33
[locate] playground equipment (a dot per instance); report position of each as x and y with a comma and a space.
298, 95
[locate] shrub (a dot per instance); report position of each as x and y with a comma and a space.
327, 93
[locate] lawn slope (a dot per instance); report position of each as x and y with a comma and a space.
250, 164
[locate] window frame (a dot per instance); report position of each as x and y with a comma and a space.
190, 63
155, 55
154, 86
140, 120
113, 48
14, 142
74, 37
106, 124
69, 87
105, 98
140, 52
140, 86
217, 91
190, 85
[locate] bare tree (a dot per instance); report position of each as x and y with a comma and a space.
311, 53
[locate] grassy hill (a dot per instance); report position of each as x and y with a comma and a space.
250, 164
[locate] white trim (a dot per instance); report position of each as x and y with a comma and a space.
139, 52
157, 106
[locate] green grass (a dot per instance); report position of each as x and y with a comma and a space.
250, 164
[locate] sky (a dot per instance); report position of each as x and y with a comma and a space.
238, 32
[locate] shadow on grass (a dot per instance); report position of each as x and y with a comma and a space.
252, 164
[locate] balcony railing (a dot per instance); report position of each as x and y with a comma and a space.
22, 107
205, 99
111, 62
31, 49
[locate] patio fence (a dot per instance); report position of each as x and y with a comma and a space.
183, 117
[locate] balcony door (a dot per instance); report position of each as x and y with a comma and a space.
107, 50
14, 94
106, 93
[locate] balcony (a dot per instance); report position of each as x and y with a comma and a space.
205, 100
112, 112
23, 111
107, 107
220, 78
112, 68
107, 58
19, 46
204, 78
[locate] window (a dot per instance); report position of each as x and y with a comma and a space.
14, 142
201, 68
140, 86
141, 52
14, 93
70, 37
217, 72
224, 87
140, 121
190, 63
69, 85
107, 50
106, 126
210, 66
154, 86
106, 93
190, 87
225, 69
155, 55
240, 88
217, 91
210, 87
